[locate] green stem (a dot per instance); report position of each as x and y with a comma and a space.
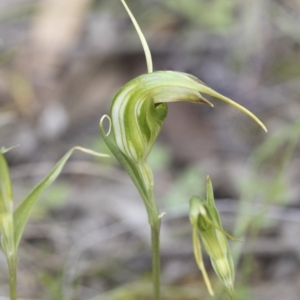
142, 38
12, 266
155, 230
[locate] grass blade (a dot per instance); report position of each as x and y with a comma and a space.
7, 226
6, 209
23, 211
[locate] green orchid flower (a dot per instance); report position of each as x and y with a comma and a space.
139, 108
136, 117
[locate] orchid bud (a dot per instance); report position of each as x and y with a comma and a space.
205, 219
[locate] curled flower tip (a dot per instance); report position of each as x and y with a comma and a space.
203, 88
209, 91
246, 111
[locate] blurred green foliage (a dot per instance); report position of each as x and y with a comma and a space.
266, 185
189, 181
216, 15
53, 198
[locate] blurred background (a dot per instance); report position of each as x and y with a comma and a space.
62, 63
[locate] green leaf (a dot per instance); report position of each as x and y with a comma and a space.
5, 184
23, 211
4, 150
6, 209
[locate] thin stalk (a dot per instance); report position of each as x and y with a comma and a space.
154, 221
12, 267
142, 38
155, 232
